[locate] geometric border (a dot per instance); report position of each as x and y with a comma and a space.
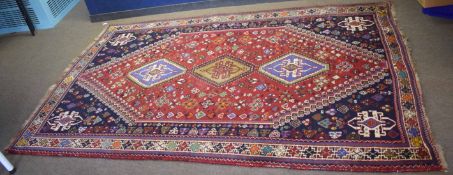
396, 52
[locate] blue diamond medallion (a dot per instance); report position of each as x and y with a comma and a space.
292, 68
156, 72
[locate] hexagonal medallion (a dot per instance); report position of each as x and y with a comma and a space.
156, 72
292, 68
222, 70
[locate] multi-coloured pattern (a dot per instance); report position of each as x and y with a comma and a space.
310, 88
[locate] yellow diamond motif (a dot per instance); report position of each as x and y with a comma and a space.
223, 70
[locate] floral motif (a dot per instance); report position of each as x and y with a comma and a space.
123, 39
64, 120
355, 24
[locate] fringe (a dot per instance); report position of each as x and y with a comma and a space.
437, 147
119, 155
51, 89
238, 162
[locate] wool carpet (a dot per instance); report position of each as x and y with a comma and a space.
326, 88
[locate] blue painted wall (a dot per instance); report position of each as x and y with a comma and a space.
108, 6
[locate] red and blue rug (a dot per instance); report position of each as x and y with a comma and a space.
325, 88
